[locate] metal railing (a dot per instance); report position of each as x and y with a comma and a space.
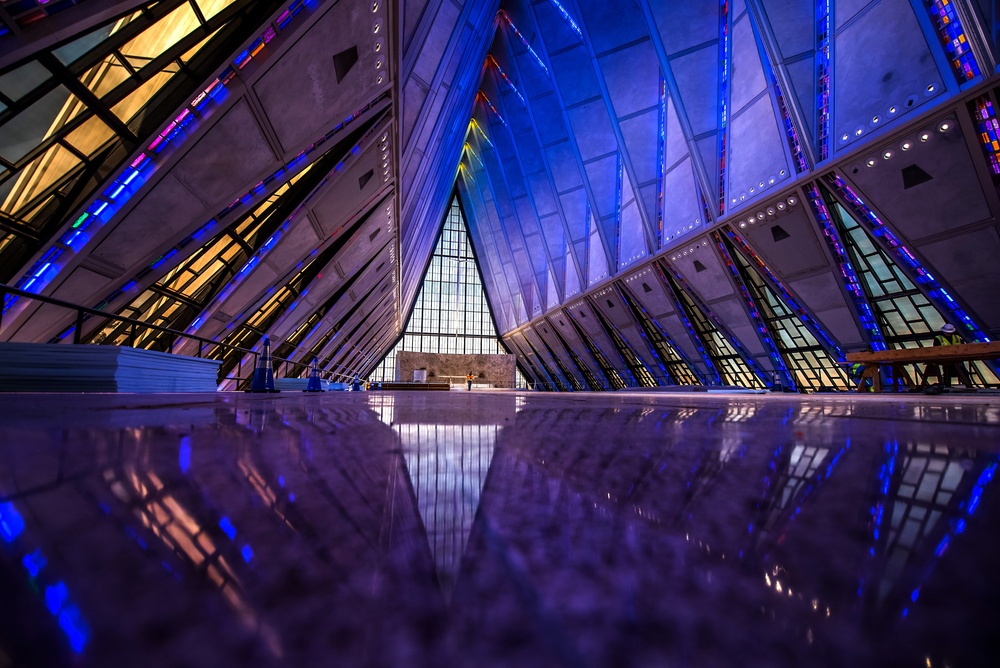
136, 326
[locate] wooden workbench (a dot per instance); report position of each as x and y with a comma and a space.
932, 356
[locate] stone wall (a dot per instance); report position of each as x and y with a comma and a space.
492, 370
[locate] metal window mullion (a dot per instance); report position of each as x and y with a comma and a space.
47, 142
150, 15
17, 228
197, 12
87, 96
124, 62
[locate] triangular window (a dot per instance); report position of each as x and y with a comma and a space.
809, 361
671, 360
724, 356
451, 313
906, 317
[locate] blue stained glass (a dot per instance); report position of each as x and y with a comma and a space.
524, 42
227, 528
865, 314
34, 562
989, 130
56, 596
71, 622
172, 133
823, 77
723, 100
184, 454
786, 295
661, 157
791, 134
492, 61
619, 185
949, 29
759, 323
682, 313
934, 290
729, 359
11, 523
489, 105
569, 19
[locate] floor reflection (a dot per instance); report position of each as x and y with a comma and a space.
504, 528
447, 466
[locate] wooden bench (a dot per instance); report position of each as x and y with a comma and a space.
439, 387
933, 357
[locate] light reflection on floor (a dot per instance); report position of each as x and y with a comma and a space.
497, 528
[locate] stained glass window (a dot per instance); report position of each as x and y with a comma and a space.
554, 378
573, 380
681, 373
952, 35
985, 118
584, 370
731, 366
808, 360
614, 379
906, 317
177, 298
640, 374
70, 115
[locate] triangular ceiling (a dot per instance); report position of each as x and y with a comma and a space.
608, 118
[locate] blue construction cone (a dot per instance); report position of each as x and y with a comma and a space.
263, 375
315, 384
776, 385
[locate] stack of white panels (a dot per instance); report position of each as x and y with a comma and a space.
44, 367
297, 384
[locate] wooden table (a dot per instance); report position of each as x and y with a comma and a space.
440, 387
933, 357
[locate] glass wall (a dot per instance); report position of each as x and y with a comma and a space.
451, 314
71, 114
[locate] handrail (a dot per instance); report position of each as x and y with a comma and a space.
81, 310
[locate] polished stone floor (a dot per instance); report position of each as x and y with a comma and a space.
498, 528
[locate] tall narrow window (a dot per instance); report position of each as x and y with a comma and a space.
906, 317
610, 373
573, 380
588, 375
640, 374
732, 367
681, 372
809, 361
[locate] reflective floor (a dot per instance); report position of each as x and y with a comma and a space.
498, 528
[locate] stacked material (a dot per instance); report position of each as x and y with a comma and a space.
45, 367
297, 384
